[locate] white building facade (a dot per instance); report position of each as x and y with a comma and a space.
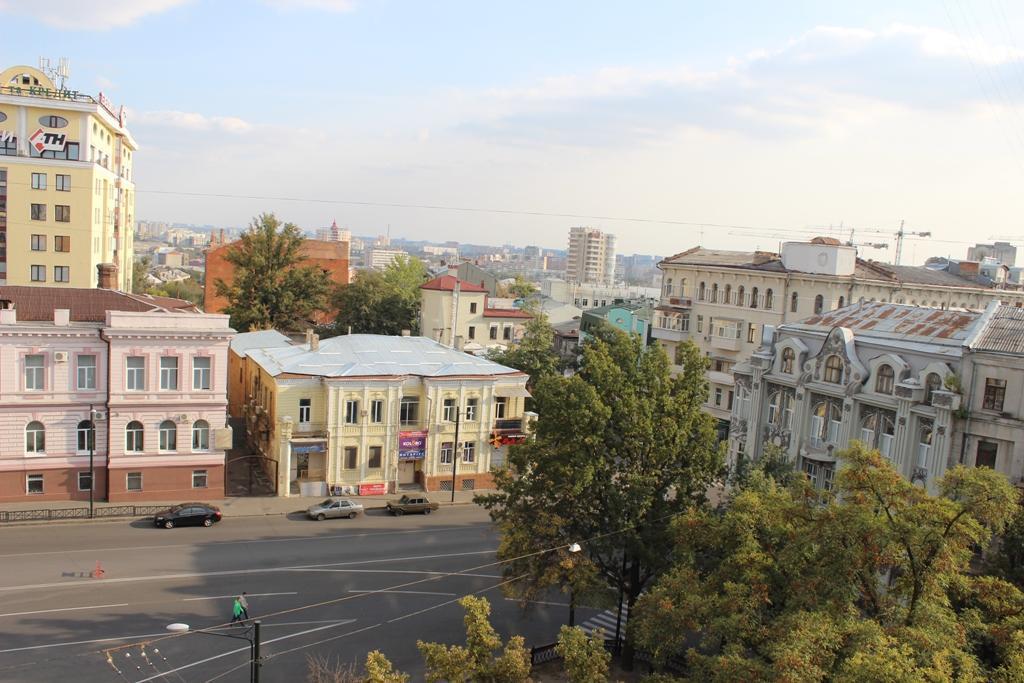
591, 257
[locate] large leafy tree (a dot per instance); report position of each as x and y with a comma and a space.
871, 584
382, 302
620, 448
535, 353
271, 289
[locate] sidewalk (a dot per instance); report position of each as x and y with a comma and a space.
234, 507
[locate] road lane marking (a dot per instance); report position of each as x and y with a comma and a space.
241, 649
404, 592
331, 622
83, 642
94, 583
219, 597
66, 609
285, 539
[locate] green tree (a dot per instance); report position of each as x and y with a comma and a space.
521, 288
382, 302
271, 289
619, 449
477, 660
189, 290
380, 670
1007, 558
586, 659
871, 584
139, 271
774, 463
534, 354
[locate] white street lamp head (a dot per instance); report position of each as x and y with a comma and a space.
575, 548
177, 627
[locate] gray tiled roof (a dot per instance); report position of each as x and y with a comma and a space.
1004, 331
911, 323
372, 355
261, 339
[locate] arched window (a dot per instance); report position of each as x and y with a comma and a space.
819, 304
728, 294
700, 292
86, 436
842, 302
885, 379
133, 433
924, 444
168, 436
932, 383
788, 357
714, 293
793, 301
200, 435
878, 429
769, 299
753, 297
35, 437
668, 286
833, 370
780, 409
826, 419
741, 296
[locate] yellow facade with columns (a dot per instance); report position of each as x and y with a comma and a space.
67, 193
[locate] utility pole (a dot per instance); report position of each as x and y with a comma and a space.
92, 453
256, 663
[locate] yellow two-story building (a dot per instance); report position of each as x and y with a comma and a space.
370, 414
67, 196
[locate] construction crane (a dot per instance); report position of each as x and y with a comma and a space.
899, 239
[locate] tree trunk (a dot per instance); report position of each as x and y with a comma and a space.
633, 592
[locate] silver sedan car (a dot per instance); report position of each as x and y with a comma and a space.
334, 508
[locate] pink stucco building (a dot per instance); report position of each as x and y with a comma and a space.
151, 372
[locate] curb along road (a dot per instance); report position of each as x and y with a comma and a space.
228, 514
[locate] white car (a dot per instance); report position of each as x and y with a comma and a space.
334, 508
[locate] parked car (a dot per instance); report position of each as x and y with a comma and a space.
188, 514
411, 504
334, 508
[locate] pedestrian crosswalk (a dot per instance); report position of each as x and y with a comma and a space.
606, 621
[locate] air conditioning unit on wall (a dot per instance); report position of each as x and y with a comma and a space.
183, 418
60, 356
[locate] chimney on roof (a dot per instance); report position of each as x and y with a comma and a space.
460, 343
309, 336
314, 343
406, 333
61, 317
106, 275
8, 316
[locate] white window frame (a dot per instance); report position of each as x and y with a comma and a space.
135, 377
200, 436
84, 431
87, 474
444, 456
35, 375
202, 376
38, 444
352, 411
168, 441
305, 410
86, 372
168, 373
203, 475
128, 478
29, 478
468, 452
449, 409
377, 410
472, 408
133, 438
500, 407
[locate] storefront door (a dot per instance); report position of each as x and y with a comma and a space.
407, 472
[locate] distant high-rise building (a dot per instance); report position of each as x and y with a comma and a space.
67, 193
591, 256
1004, 252
334, 233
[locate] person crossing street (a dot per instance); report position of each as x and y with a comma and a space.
237, 611
245, 605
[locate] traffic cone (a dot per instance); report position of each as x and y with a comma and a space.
98, 572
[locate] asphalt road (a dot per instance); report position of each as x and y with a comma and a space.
334, 589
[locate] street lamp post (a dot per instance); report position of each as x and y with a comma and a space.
574, 548
92, 453
254, 644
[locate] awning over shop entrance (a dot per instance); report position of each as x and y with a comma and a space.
516, 391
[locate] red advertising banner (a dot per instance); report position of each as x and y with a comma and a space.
373, 489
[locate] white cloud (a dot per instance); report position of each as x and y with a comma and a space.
193, 121
80, 15
325, 5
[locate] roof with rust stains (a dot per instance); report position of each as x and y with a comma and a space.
1004, 332
913, 323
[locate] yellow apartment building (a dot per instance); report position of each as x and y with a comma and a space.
370, 414
67, 193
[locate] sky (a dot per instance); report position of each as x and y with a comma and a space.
730, 124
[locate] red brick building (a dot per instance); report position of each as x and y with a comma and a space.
332, 257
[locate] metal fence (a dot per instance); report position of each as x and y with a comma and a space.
80, 513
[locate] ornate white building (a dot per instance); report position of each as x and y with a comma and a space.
926, 387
